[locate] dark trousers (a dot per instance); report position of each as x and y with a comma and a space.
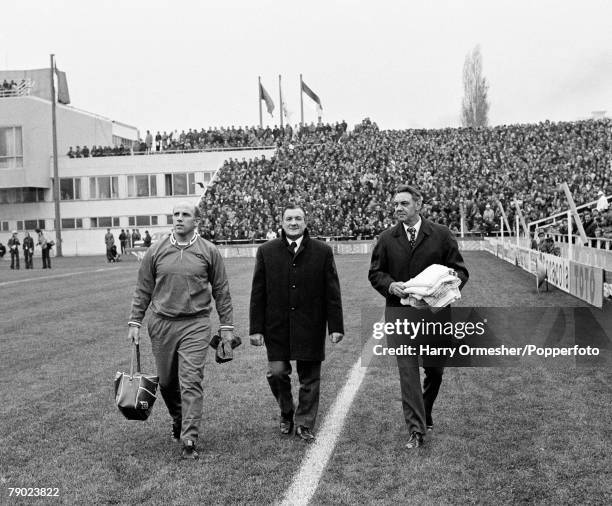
123, 246
14, 259
28, 258
46, 260
309, 374
417, 403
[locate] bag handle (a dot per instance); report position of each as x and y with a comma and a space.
135, 353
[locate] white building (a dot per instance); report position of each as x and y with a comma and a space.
116, 192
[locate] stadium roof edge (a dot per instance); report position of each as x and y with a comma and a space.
71, 107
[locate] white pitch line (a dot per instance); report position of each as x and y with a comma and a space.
306, 481
25, 280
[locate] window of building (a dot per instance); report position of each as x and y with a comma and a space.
70, 188
72, 222
20, 225
104, 222
34, 224
180, 184
142, 221
207, 177
4, 226
169, 219
105, 187
21, 195
142, 186
33, 194
11, 148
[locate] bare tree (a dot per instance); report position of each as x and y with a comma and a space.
475, 107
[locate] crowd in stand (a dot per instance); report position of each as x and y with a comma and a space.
216, 138
242, 137
95, 151
344, 180
9, 88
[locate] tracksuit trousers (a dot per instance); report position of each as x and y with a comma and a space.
180, 347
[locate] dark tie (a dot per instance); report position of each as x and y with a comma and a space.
293, 247
412, 232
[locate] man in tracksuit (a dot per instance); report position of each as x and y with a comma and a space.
177, 277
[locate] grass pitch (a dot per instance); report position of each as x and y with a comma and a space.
502, 435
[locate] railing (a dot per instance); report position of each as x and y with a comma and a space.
592, 242
19, 90
543, 222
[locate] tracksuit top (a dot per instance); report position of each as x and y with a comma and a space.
178, 281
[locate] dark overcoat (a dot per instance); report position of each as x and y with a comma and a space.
294, 299
394, 260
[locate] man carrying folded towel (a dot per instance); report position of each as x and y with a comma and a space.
401, 253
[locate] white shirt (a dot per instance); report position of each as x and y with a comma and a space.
298, 241
602, 203
416, 226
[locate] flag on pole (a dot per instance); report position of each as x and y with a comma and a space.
286, 113
284, 108
313, 96
263, 95
63, 97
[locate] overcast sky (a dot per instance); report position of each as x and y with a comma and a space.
164, 65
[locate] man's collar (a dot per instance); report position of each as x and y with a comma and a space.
193, 239
299, 240
416, 226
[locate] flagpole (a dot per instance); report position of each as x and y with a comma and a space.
280, 96
56, 181
259, 95
301, 103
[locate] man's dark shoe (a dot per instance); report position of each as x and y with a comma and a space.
286, 423
286, 426
176, 430
190, 451
304, 434
415, 441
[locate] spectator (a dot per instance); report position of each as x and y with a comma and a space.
148, 142
109, 241
147, 239
602, 202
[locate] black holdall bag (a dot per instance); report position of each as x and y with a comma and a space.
135, 392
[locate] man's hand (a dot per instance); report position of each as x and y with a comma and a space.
257, 339
227, 336
336, 337
134, 334
225, 346
397, 288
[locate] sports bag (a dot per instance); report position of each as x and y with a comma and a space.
135, 392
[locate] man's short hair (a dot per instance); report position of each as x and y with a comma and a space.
292, 205
405, 188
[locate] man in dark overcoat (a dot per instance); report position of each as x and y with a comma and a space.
401, 253
295, 298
